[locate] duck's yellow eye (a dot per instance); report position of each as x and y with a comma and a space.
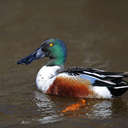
51, 44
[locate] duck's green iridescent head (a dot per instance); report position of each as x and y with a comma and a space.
55, 49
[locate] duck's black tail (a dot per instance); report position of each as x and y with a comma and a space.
121, 85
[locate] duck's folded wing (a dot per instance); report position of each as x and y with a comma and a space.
98, 77
96, 73
105, 75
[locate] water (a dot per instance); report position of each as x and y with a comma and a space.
96, 36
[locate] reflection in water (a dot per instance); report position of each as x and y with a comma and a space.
50, 109
94, 109
101, 110
47, 108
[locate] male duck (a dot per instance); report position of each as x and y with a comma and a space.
73, 82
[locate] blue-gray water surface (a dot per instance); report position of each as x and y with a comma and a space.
96, 34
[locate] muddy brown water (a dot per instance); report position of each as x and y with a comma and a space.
96, 34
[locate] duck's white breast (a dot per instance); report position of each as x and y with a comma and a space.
45, 77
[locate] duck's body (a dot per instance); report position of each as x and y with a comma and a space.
80, 82
74, 82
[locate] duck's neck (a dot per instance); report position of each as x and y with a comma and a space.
56, 62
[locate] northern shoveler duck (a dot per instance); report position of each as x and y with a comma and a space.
54, 79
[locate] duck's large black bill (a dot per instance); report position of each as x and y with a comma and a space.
37, 54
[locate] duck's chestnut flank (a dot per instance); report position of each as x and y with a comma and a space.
70, 87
